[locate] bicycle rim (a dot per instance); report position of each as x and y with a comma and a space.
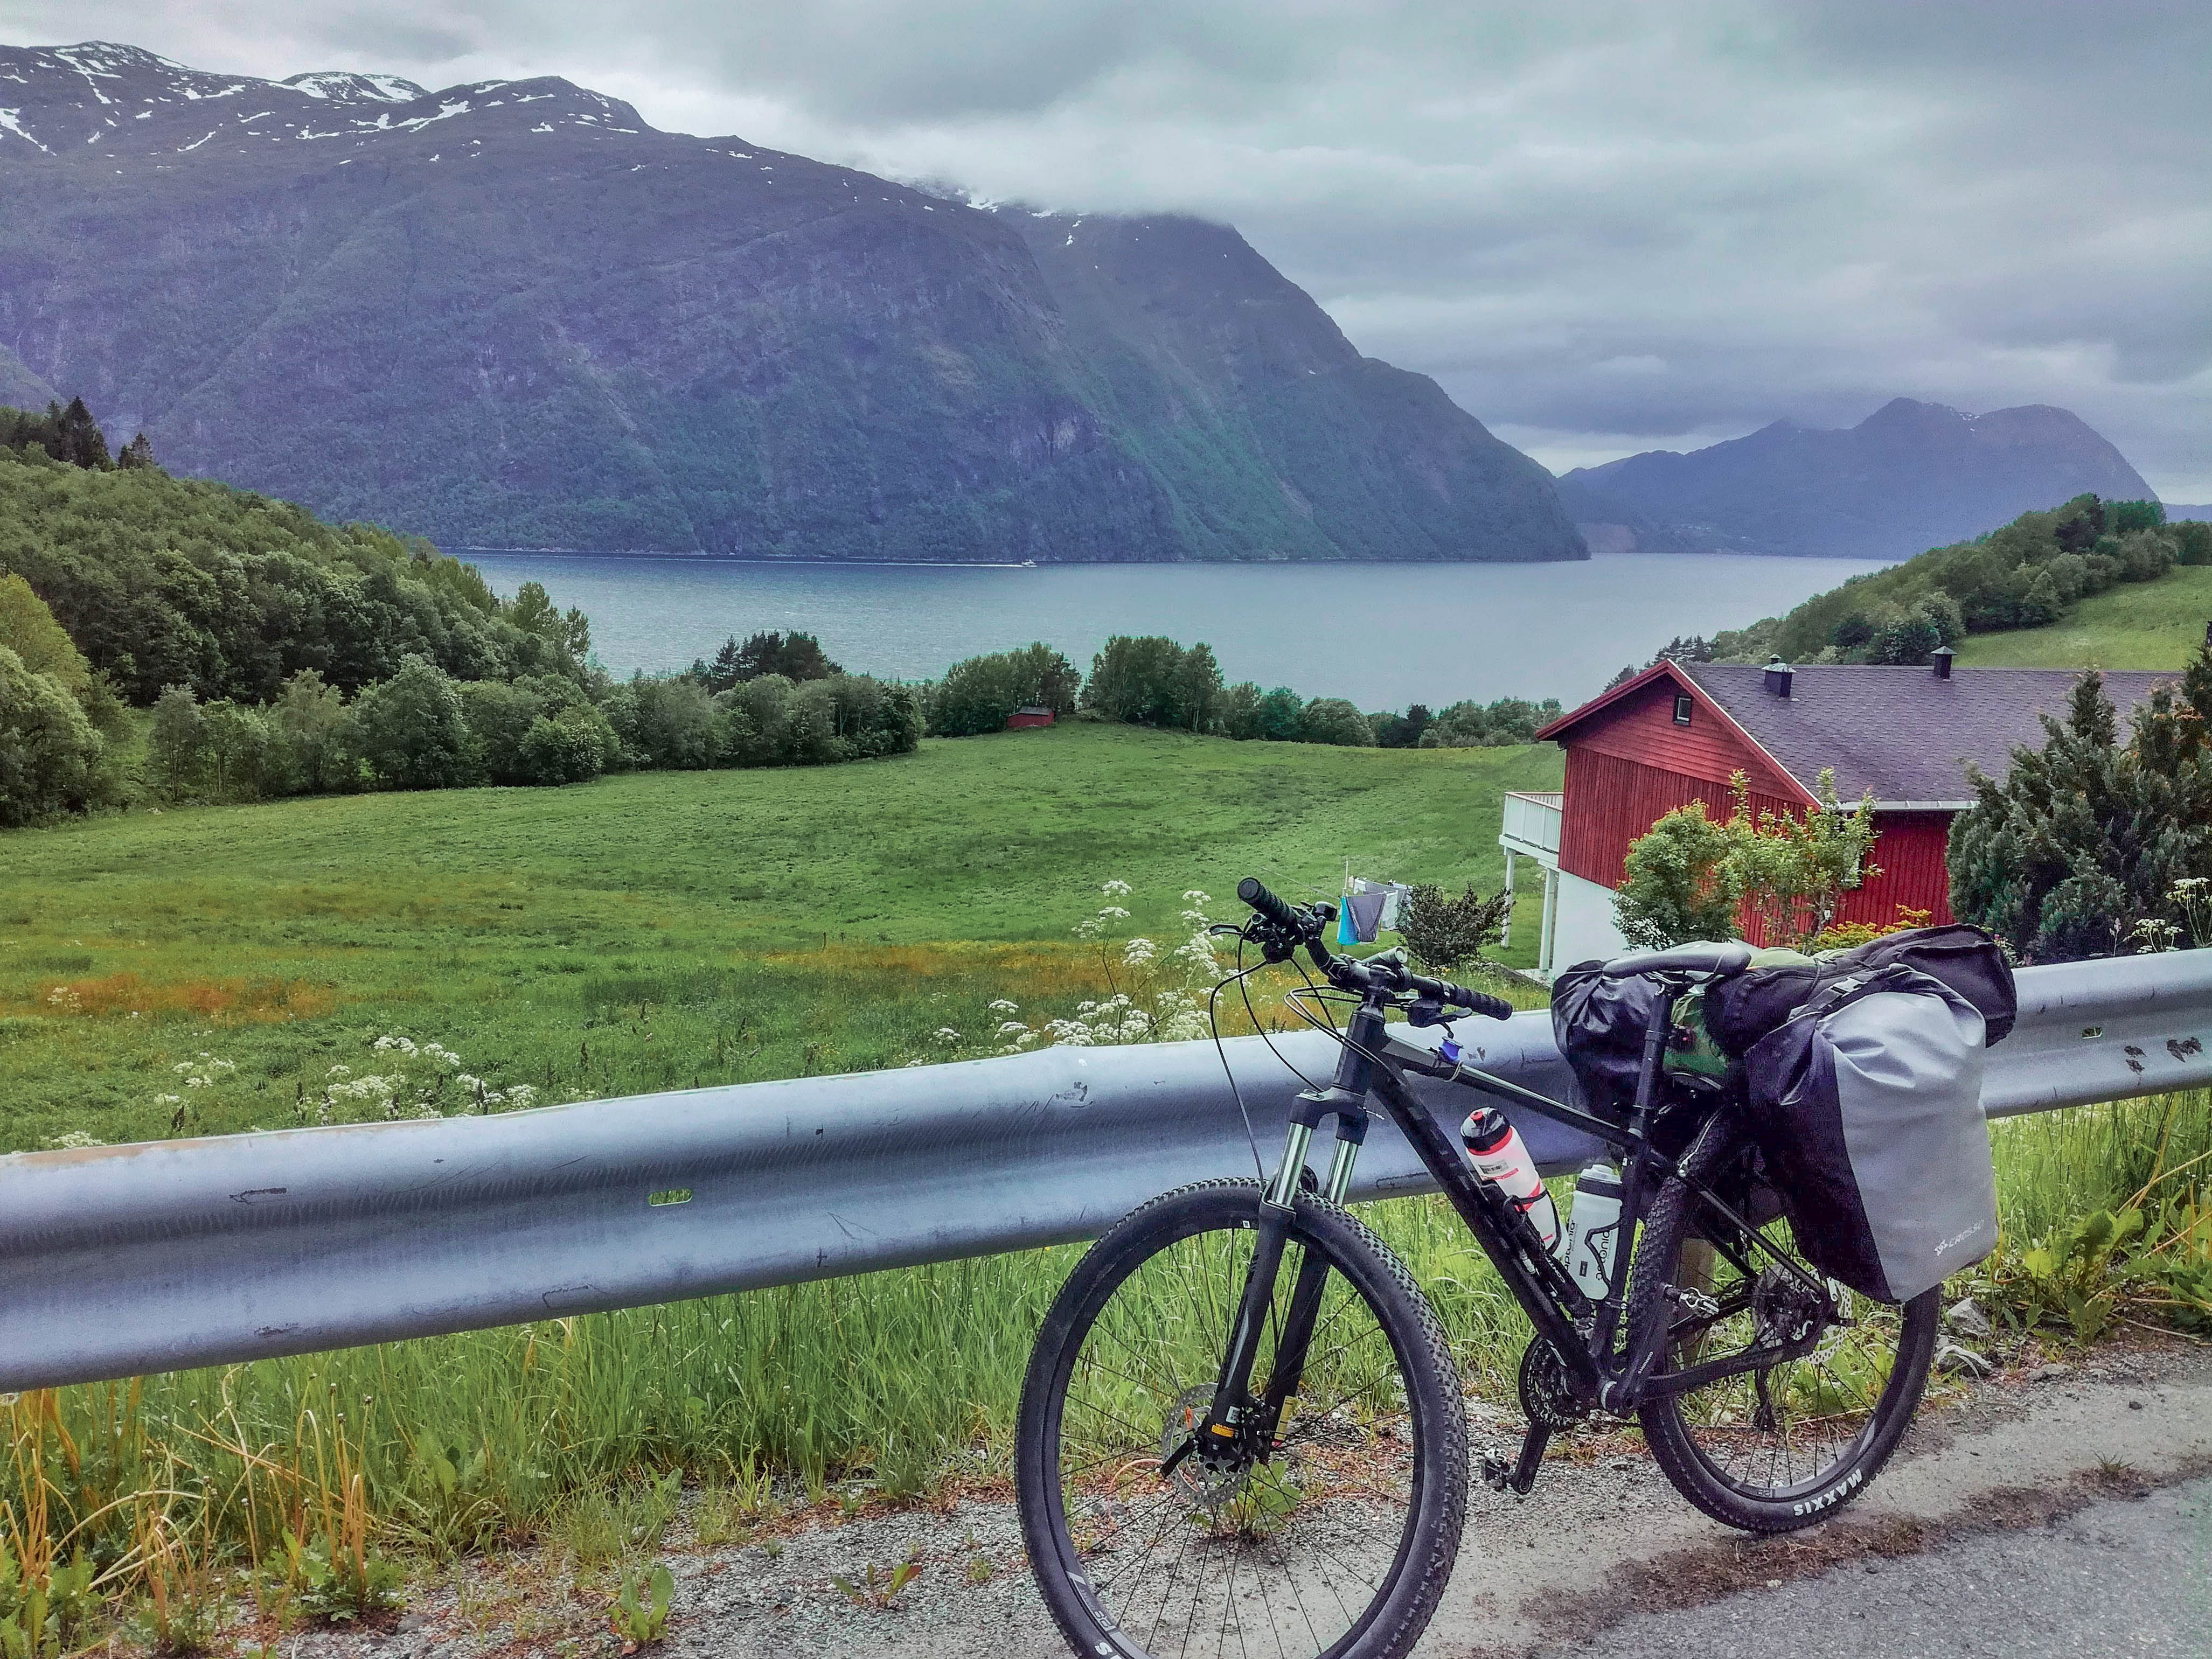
1289, 1557
1786, 1435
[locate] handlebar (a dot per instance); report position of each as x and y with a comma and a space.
1304, 925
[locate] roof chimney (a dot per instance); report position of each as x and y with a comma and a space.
1939, 659
1778, 676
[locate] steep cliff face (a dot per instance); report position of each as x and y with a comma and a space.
511, 315
1910, 477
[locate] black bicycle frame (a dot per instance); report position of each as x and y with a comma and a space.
1581, 1329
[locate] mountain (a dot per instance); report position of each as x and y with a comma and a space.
1910, 477
510, 314
2175, 512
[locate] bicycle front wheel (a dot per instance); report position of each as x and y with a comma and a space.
1775, 1448
1335, 1539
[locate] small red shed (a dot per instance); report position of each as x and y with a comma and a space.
1021, 719
1675, 733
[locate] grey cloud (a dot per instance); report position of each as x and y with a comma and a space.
1612, 224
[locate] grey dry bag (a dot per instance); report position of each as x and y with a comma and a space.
1867, 1103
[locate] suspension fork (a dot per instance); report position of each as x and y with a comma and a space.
1229, 1420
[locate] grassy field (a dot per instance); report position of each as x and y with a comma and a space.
639, 932
2136, 625
662, 929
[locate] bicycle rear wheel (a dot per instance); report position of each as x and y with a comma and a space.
1336, 1542
1771, 1449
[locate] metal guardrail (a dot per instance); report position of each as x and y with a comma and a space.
119, 1261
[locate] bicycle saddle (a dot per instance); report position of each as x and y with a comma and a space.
1704, 959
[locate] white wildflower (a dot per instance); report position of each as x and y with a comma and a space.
1113, 913
1192, 895
520, 1094
1008, 1027
946, 1034
73, 1140
1087, 928
1115, 890
1137, 953
1003, 1006
339, 1071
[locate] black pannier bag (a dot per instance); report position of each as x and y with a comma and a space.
1599, 1024
1866, 1104
1741, 1011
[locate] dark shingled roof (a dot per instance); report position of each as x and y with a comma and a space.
1901, 731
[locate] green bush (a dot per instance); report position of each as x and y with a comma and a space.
2087, 836
49, 755
1334, 721
414, 733
1153, 681
571, 746
977, 695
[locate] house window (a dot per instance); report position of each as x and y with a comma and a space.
1682, 702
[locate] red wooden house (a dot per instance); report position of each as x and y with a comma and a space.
1677, 732
1022, 719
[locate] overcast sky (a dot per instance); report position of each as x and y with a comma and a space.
1604, 228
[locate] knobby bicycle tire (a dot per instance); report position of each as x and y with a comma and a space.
1185, 1226
1690, 1435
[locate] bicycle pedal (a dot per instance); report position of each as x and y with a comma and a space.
1497, 1474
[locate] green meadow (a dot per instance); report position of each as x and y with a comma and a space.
659, 930
2135, 625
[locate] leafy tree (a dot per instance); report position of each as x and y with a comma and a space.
2086, 837
1402, 731
1508, 720
571, 746
414, 733
1334, 721
794, 656
1150, 680
671, 724
1689, 878
49, 755
1681, 884
319, 733
499, 716
1795, 868
177, 746
1278, 715
1446, 934
976, 696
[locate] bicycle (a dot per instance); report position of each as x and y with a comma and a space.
1243, 1428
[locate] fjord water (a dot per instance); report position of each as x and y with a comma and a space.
1382, 634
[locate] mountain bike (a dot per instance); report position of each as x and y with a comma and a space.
1242, 1429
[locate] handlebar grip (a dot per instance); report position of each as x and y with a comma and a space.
1477, 1002
1253, 893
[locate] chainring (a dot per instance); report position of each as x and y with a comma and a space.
1546, 1397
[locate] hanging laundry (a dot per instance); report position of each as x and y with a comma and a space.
1365, 910
1394, 894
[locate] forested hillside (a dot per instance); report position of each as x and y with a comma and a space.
2028, 573
511, 313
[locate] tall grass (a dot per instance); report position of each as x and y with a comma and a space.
904, 1380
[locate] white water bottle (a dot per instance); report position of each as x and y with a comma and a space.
1594, 1228
1501, 1157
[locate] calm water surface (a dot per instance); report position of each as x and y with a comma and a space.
1383, 636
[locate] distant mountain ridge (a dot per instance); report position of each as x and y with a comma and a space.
510, 314
1910, 476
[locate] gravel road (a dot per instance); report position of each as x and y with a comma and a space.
2060, 1508
2131, 1577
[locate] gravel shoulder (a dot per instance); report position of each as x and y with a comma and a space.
1602, 1544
